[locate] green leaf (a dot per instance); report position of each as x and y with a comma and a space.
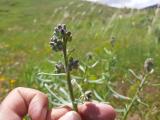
82, 68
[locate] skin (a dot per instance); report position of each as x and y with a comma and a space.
22, 101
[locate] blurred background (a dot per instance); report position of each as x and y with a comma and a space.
130, 29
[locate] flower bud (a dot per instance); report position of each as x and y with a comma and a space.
55, 29
60, 45
88, 95
56, 45
69, 33
89, 56
59, 26
60, 67
69, 36
112, 41
64, 26
63, 32
148, 65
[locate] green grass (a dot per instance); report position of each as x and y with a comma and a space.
26, 26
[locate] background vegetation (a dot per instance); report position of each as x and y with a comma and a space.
25, 28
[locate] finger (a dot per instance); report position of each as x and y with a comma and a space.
4, 115
71, 116
96, 111
38, 107
21, 101
56, 113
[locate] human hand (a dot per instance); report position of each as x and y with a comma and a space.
22, 101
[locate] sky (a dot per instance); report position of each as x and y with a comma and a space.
128, 3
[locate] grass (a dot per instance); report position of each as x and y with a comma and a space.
26, 26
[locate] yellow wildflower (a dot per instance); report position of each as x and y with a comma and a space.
12, 81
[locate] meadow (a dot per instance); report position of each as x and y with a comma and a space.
25, 30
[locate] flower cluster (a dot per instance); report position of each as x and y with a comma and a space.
58, 42
60, 37
73, 64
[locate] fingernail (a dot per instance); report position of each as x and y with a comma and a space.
71, 116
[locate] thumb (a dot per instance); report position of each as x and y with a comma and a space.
71, 116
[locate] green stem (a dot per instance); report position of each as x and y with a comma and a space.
68, 76
135, 97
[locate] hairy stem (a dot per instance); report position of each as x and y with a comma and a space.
68, 76
135, 97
